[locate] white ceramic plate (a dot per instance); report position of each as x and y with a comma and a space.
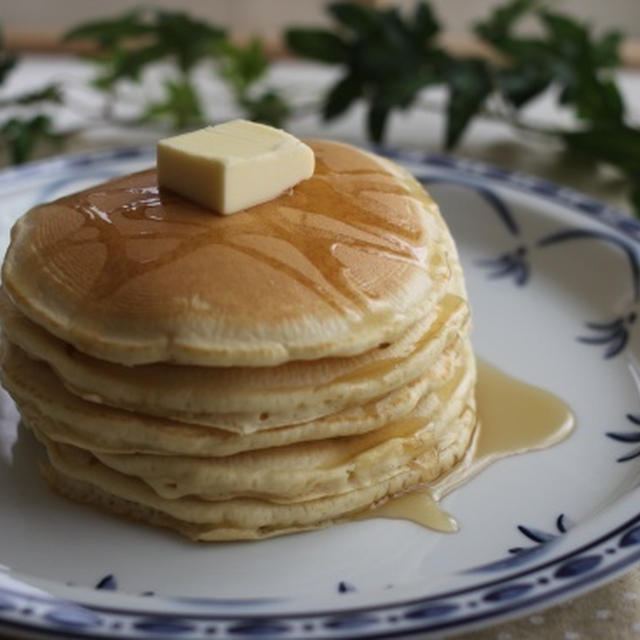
554, 285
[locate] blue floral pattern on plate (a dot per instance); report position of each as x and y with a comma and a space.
515, 263
628, 437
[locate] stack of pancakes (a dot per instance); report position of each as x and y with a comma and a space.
245, 376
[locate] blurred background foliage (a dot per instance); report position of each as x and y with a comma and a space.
386, 59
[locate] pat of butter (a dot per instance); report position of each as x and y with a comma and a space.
234, 165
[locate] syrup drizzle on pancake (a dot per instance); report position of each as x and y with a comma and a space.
316, 234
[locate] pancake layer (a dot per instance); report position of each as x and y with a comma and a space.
65, 417
245, 399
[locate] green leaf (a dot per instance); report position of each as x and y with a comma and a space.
565, 54
317, 44
606, 51
126, 64
402, 91
388, 58
137, 39
341, 97
394, 32
469, 86
523, 82
375, 61
496, 29
49, 93
21, 135
568, 38
354, 16
269, 108
600, 101
377, 117
618, 146
563, 27
187, 39
241, 66
425, 23
253, 61
7, 60
181, 106
109, 32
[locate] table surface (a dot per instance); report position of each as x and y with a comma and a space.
611, 611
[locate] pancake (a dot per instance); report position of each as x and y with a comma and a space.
132, 274
307, 469
240, 377
64, 417
79, 475
260, 397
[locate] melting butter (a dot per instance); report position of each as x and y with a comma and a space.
513, 417
234, 165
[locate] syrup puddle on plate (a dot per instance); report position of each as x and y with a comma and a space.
513, 417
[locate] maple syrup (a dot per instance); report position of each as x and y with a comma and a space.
321, 235
513, 417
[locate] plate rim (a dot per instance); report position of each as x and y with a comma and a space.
346, 622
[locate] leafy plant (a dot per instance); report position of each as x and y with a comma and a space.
22, 135
566, 54
21, 130
242, 67
581, 67
388, 59
129, 44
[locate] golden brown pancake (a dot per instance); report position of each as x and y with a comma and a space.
132, 274
64, 417
308, 471
245, 399
79, 475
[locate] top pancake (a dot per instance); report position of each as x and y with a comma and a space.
132, 274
